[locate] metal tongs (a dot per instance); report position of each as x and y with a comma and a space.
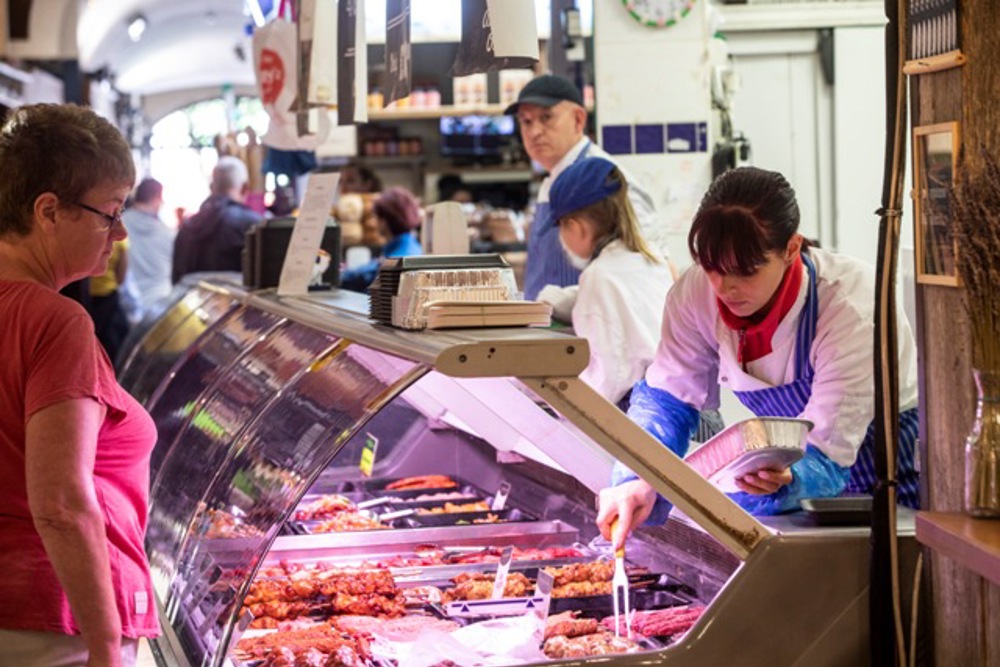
619, 587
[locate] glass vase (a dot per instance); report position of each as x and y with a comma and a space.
982, 449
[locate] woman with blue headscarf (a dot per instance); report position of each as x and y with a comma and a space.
623, 284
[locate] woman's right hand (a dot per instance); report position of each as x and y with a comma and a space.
630, 503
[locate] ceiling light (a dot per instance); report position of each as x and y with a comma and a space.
136, 26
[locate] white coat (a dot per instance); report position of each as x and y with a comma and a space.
619, 310
698, 351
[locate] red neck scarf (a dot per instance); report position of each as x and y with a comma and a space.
757, 330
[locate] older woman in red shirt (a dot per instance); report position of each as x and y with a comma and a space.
74, 446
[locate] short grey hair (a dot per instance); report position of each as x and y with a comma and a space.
229, 174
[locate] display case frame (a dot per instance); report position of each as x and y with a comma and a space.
754, 566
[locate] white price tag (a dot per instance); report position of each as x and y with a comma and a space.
500, 580
504, 607
543, 590
500, 499
307, 235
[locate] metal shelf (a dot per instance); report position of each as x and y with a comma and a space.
436, 112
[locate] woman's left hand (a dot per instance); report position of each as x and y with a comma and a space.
764, 482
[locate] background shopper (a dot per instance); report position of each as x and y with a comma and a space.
151, 246
213, 238
398, 214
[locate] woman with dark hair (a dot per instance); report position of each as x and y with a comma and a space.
789, 329
75, 587
398, 215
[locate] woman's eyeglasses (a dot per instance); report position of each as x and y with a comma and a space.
112, 220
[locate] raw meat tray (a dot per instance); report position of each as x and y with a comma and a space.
422, 521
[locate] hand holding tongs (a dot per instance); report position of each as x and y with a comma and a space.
619, 587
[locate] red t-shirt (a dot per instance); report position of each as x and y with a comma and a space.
49, 354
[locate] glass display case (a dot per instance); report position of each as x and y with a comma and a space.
329, 489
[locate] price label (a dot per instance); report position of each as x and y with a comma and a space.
503, 568
307, 234
543, 590
368, 455
500, 499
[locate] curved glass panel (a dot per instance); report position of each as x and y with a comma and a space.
203, 365
191, 323
270, 467
154, 338
204, 441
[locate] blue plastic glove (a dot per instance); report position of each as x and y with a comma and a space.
668, 419
813, 476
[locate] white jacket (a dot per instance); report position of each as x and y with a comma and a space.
619, 310
697, 352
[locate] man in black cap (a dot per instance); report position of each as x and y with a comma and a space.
552, 120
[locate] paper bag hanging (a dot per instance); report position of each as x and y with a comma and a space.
275, 47
496, 35
398, 54
317, 27
352, 63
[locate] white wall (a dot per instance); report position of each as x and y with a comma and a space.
656, 76
783, 107
828, 140
859, 109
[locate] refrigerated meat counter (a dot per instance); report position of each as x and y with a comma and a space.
326, 490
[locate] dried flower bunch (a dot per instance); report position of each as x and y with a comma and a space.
975, 211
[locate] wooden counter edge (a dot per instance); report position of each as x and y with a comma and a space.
972, 543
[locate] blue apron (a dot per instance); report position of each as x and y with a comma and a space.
789, 400
547, 264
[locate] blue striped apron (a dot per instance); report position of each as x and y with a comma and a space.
789, 400
546, 263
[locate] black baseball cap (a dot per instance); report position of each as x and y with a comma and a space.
546, 90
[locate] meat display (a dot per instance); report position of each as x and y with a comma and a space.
348, 521
492, 554
457, 508
567, 624
324, 507
579, 589
444, 495
660, 622
601, 570
600, 643
581, 579
479, 586
403, 629
320, 645
349, 607
224, 525
370, 592
422, 482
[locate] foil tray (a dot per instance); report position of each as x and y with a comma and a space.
750, 445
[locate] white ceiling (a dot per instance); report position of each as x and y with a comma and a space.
187, 43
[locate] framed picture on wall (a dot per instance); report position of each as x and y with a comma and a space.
935, 155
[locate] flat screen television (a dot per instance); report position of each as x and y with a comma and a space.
476, 137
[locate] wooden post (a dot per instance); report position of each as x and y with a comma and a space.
966, 606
